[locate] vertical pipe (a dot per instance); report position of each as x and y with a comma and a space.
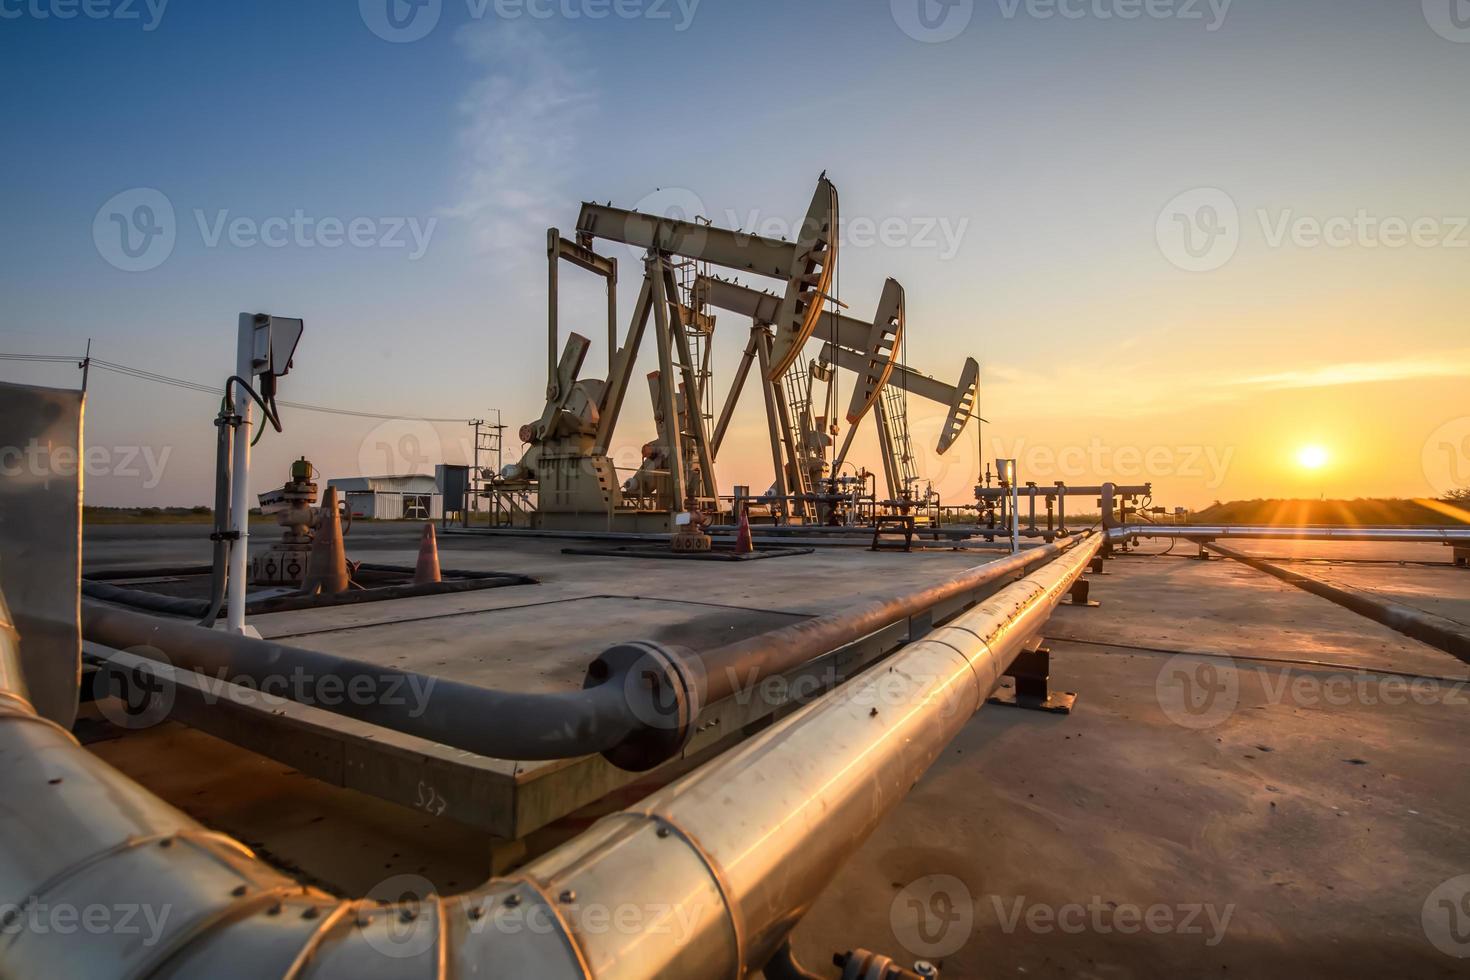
553, 257
1015, 511
219, 568
1109, 502
240, 477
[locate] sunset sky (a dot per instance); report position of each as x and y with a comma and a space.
1186, 246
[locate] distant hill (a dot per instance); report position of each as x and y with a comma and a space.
1351, 512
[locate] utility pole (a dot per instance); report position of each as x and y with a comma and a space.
86, 365
474, 483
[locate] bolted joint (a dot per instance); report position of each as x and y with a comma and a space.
663, 689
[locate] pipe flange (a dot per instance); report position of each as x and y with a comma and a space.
663, 689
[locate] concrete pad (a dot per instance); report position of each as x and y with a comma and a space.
1197, 815
1318, 816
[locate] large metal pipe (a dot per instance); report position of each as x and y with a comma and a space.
1204, 532
737, 666
499, 724
748, 842
1446, 634
715, 870
638, 707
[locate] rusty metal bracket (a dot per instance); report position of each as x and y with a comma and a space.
1031, 672
1080, 595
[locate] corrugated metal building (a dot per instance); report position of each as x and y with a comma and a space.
392, 498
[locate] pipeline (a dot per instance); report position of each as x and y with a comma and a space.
1445, 634
638, 706
739, 849
1190, 532
455, 582
498, 724
735, 665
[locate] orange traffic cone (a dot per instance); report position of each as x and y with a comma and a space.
427, 570
326, 568
744, 543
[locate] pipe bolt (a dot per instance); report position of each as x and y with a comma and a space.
238, 890
567, 897
663, 831
512, 900
311, 913
476, 913
408, 915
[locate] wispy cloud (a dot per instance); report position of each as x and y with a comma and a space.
1446, 364
519, 129
1072, 389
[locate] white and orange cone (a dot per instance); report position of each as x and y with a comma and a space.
326, 566
744, 542
427, 570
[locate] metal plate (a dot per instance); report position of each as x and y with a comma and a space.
41, 539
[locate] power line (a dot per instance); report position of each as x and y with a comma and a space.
138, 374
55, 358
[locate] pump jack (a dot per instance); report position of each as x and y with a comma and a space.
576, 480
871, 351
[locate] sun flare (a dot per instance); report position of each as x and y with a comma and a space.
1312, 457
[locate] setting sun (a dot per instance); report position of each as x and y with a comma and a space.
1312, 457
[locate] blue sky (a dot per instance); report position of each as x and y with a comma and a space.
1024, 164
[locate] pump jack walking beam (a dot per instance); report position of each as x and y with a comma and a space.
806, 265
855, 351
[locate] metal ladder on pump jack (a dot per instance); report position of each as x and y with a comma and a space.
901, 451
